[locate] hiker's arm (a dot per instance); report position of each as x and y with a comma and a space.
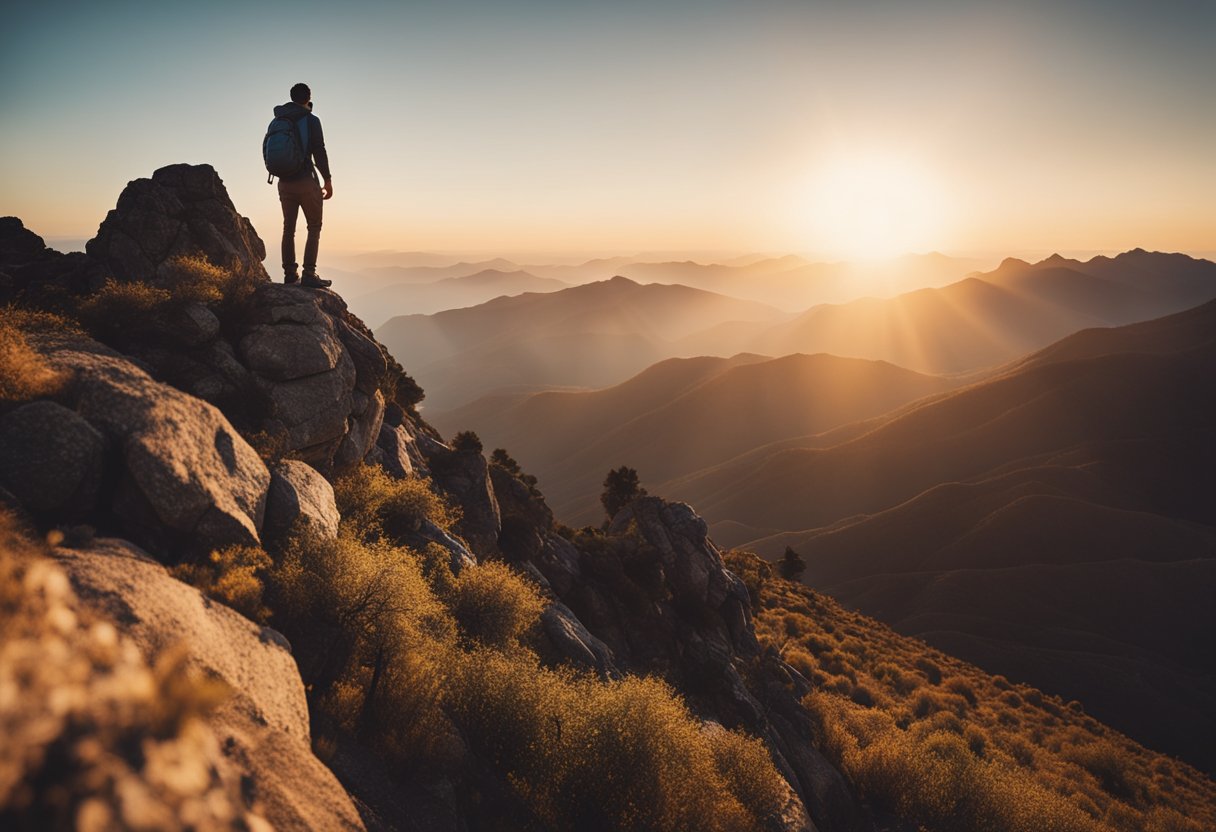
316, 141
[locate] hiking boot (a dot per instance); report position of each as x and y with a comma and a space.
291, 278
313, 282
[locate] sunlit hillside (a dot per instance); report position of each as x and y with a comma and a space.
940, 743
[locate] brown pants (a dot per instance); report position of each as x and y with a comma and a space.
306, 194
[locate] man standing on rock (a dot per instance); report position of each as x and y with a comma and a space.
302, 190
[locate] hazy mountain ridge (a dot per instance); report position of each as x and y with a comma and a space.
590, 335
694, 419
974, 324
377, 306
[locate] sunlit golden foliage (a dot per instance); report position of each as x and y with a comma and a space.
426, 666
588, 754
943, 744
493, 605
195, 279
232, 576
370, 501
24, 372
124, 308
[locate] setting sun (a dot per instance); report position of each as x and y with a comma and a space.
875, 206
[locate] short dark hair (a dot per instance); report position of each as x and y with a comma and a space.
300, 93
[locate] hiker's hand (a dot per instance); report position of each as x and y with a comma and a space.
328, 190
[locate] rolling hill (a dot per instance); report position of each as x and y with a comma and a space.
1054, 523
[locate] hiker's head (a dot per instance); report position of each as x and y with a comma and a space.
300, 93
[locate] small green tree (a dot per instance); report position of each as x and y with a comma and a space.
621, 487
505, 461
791, 565
467, 440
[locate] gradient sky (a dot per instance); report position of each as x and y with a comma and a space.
617, 127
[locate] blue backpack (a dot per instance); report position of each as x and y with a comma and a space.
285, 147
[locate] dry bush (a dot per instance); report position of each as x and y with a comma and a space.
1029, 753
195, 279
493, 605
586, 754
372, 502
124, 310
24, 373
232, 576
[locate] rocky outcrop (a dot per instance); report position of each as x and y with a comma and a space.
655, 592
133, 454
183, 210
30, 271
285, 362
465, 476
95, 735
262, 725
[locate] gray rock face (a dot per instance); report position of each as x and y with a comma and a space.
392, 451
299, 494
575, 643
184, 468
466, 477
50, 458
656, 594
263, 726
182, 210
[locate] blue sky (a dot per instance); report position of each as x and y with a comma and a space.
618, 127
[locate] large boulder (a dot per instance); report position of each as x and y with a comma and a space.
299, 495
262, 726
95, 735
50, 458
183, 210
181, 475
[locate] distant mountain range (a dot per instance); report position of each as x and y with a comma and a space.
590, 335
379, 305
993, 317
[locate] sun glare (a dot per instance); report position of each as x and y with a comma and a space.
871, 207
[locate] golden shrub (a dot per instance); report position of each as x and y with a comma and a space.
24, 373
493, 605
623, 755
372, 502
232, 576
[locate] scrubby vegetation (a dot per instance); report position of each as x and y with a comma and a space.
427, 666
234, 576
940, 743
123, 311
24, 373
